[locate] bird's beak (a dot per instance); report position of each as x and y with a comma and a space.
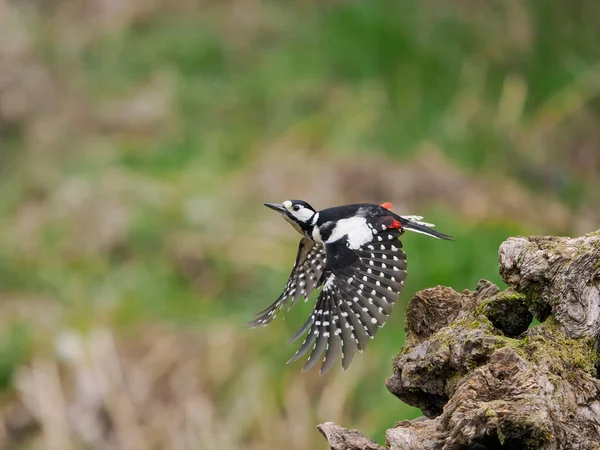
276, 207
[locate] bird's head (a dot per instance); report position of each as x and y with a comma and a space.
296, 212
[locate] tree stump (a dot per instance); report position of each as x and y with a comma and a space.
483, 377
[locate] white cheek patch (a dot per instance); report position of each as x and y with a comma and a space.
303, 214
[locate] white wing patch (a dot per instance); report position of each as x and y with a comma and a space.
357, 230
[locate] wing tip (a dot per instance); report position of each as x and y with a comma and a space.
260, 322
294, 358
310, 363
324, 369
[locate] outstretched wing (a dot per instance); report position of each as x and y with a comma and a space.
360, 289
306, 276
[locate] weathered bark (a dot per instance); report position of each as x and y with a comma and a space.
484, 379
342, 439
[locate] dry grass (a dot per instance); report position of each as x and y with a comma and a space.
167, 389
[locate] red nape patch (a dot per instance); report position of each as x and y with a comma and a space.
395, 224
386, 205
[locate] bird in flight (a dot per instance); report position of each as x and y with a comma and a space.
353, 253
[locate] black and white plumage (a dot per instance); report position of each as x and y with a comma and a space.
353, 253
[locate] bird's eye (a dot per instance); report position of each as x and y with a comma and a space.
296, 208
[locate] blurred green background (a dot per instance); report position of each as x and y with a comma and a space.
139, 139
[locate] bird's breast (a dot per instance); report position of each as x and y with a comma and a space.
316, 235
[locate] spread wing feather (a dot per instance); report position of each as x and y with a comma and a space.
306, 276
355, 300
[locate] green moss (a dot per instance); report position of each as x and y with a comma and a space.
548, 345
447, 337
452, 383
538, 437
555, 348
511, 295
474, 323
490, 412
501, 437
500, 298
479, 310
539, 307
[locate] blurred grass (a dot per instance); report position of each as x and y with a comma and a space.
132, 189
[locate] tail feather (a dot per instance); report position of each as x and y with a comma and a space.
422, 227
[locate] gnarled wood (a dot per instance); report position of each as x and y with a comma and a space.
344, 439
484, 379
557, 273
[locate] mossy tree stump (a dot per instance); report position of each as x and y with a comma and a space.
482, 377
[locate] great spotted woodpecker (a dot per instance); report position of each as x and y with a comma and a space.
354, 254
